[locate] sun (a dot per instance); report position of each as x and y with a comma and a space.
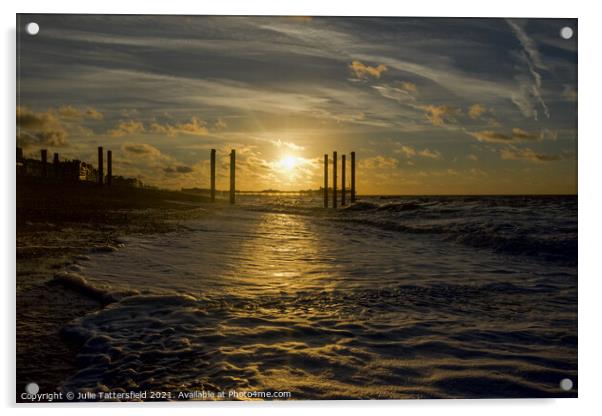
289, 163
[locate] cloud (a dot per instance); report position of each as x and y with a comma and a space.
517, 134
363, 71
39, 128
68, 111
570, 93
178, 169
126, 128
219, 125
194, 126
290, 145
527, 43
408, 86
475, 111
532, 58
521, 134
378, 162
430, 154
93, 114
409, 152
438, 115
141, 149
397, 92
514, 153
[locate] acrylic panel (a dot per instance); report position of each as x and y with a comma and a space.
295, 208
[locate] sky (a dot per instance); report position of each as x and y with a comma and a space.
429, 105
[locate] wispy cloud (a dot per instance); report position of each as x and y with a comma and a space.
534, 62
312, 85
410, 152
71, 112
194, 127
514, 153
517, 134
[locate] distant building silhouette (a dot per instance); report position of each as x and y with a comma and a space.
66, 171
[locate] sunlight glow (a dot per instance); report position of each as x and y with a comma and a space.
289, 163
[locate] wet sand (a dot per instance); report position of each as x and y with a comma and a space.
54, 227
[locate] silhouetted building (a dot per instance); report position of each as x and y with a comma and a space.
68, 170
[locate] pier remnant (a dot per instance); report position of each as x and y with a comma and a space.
100, 166
109, 167
334, 179
44, 155
352, 177
232, 176
212, 175
326, 181
343, 161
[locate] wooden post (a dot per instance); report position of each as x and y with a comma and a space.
352, 177
334, 179
55, 163
44, 155
232, 176
325, 181
100, 166
212, 175
343, 161
109, 167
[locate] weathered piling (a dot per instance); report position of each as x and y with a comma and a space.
212, 175
334, 179
325, 181
100, 166
343, 180
352, 177
44, 155
109, 167
55, 164
232, 176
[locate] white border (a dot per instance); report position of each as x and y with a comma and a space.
590, 206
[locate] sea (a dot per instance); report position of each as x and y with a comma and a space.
387, 298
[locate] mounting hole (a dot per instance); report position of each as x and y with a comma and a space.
32, 388
32, 28
566, 32
566, 384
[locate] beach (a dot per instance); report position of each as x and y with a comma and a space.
55, 229
392, 297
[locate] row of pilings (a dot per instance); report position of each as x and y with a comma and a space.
335, 179
326, 188
102, 179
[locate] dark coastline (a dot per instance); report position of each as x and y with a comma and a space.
55, 223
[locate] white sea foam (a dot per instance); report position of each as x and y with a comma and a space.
325, 306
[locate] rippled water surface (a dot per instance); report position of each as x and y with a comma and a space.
388, 298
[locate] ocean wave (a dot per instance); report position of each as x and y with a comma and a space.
323, 345
104, 294
504, 238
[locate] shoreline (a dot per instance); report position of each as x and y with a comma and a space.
163, 323
53, 229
